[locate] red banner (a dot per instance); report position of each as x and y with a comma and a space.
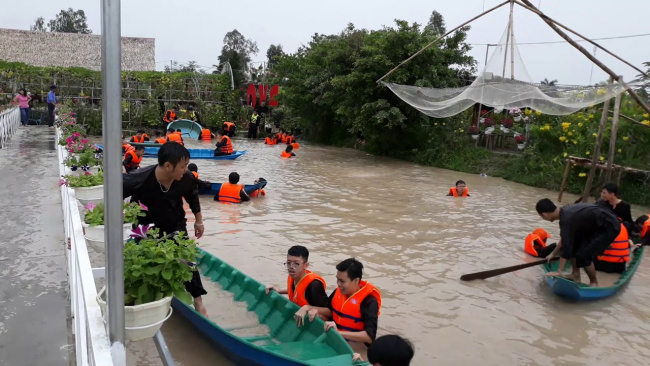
262, 91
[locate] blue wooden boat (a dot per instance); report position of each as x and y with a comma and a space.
152, 152
248, 188
188, 128
284, 345
579, 291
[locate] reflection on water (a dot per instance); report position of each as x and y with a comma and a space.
415, 243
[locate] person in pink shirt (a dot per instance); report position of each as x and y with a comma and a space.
23, 102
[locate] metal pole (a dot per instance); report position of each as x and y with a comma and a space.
512, 42
480, 105
505, 53
112, 130
163, 350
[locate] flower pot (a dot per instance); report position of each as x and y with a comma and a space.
475, 137
504, 129
481, 120
517, 118
489, 130
91, 170
86, 195
141, 321
521, 146
95, 235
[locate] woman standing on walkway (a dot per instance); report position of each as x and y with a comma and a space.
23, 102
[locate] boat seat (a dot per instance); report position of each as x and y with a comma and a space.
303, 350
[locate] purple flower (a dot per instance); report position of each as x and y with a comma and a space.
90, 206
141, 231
84, 141
76, 134
63, 182
144, 208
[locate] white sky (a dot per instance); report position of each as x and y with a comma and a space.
194, 30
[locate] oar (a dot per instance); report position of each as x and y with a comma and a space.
495, 272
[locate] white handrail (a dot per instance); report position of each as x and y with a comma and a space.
9, 122
92, 346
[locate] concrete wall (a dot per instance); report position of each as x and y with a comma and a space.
72, 50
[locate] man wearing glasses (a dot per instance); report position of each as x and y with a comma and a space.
304, 287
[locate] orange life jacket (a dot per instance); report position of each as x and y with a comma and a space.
228, 126
453, 191
206, 135
619, 251
227, 148
295, 145
286, 154
180, 134
229, 193
645, 229
135, 159
270, 141
290, 139
346, 311
139, 139
171, 114
196, 175
298, 295
126, 148
529, 245
257, 192
174, 137
161, 140
284, 138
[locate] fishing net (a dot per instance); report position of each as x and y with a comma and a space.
505, 84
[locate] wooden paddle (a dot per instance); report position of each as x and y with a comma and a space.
495, 272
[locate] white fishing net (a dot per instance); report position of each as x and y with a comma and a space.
505, 84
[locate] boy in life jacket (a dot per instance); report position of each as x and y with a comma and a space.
354, 305
271, 140
132, 159
288, 152
224, 144
159, 138
535, 244
614, 258
200, 184
172, 136
460, 190
305, 288
642, 224
139, 137
257, 192
231, 192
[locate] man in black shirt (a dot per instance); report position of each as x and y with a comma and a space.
622, 209
305, 288
162, 188
586, 230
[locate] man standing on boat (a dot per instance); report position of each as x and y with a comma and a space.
354, 305
162, 188
586, 230
305, 288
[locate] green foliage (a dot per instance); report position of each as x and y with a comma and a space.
67, 21
237, 50
84, 180
157, 267
131, 210
86, 158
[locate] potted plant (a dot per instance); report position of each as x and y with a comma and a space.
88, 188
521, 141
506, 125
474, 131
88, 160
155, 270
94, 222
516, 114
489, 124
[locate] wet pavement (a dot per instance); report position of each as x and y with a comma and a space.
34, 304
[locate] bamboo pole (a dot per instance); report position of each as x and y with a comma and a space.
565, 179
552, 23
618, 179
599, 141
441, 37
509, 32
512, 41
612, 138
630, 119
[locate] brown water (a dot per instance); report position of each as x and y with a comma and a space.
415, 243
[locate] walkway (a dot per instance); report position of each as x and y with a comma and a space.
34, 304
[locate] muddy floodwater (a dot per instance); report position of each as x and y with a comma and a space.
414, 243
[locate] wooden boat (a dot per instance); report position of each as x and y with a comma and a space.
215, 187
145, 144
285, 344
188, 128
580, 291
152, 152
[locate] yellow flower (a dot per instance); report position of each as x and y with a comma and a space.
570, 134
594, 134
547, 127
435, 124
619, 150
602, 158
565, 154
588, 153
580, 124
528, 112
575, 142
646, 122
646, 115
582, 174
443, 123
538, 113
591, 116
562, 138
625, 138
566, 125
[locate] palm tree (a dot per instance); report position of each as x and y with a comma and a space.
549, 83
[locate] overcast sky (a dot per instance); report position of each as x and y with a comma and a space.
194, 29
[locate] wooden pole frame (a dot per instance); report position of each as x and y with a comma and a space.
612, 139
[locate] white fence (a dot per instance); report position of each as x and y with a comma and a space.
9, 122
92, 345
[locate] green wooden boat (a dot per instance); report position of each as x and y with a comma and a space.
285, 344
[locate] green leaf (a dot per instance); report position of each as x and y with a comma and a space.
183, 296
167, 274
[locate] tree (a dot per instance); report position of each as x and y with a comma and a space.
549, 83
39, 25
273, 54
70, 21
436, 24
237, 50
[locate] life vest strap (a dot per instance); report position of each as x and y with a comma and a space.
342, 315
